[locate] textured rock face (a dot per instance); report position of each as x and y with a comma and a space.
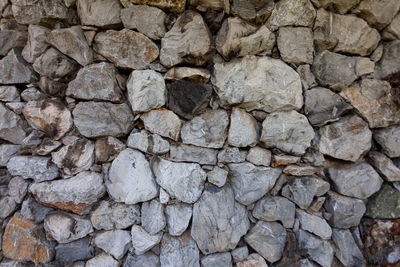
54, 65
99, 13
321, 251
253, 83
384, 204
171, 5
38, 168
378, 14
179, 251
388, 138
242, 131
275, 209
15, 70
296, 45
11, 126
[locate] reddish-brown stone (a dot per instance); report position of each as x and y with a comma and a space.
68, 206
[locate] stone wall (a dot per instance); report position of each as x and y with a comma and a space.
207, 133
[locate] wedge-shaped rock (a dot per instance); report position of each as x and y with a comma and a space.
314, 224
191, 74
188, 41
206, 130
97, 119
320, 251
384, 166
36, 44
143, 241
346, 249
96, 82
126, 49
99, 13
148, 143
344, 33
389, 139
347, 139
258, 83
162, 122
15, 70
184, 181
378, 14
153, 218
49, 116
12, 127
296, 45
108, 148
243, 129
178, 218
115, 242
218, 220
130, 178
38, 168
179, 251
275, 209
250, 182
55, 65
289, 131
75, 194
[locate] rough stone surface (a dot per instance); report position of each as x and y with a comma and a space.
108, 148
99, 13
296, 45
54, 65
153, 218
346, 249
6, 152
148, 259
314, 224
172, 5
184, 181
15, 70
126, 49
251, 182
115, 242
143, 241
179, 251
97, 119
74, 251
384, 166
36, 44
275, 209
242, 130
389, 139
130, 179
218, 221
320, 251
259, 156
178, 218
162, 122
102, 259
385, 204
231, 155
339, 6
347, 139
31, 12
12, 39
38, 168
148, 143
217, 259
190, 153
74, 194
256, 83
389, 63
217, 176
189, 41
378, 14
33, 211
289, 131
9, 94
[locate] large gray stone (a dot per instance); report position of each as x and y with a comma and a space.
162, 122
320, 251
259, 156
54, 65
289, 131
188, 41
277, 208
15, 70
259, 83
243, 129
76, 47
268, 239
231, 155
218, 221
179, 251
178, 218
296, 45
12, 127
250, 182
97, 119
389, 140
36, 44
217, 259
38, 168
10, 38
217, 176
130, 178
385, 204
74, 251
153, 218
99, 12
339, 6
206, 130
347, 139
148, 259
378, 13
346, 249
188, 153
358, 180
384, 166
126, 49
102, 260
96, 82
115, 242
6, 152
314, 224
9, 93
34, 211
184, 181
143, 241
148, 143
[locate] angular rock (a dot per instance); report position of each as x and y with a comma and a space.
347, 139
8, 205
307, 77
392, 31
148, 143
35, 12
108, 148
9, 94
389, 140
179, 251
126, 49
184, 181
346, 249
268, 239
253, 259
275, 209
320, 251
259, 156
296, 170
96, 82
338, 6
302, 190
346, 211
206, 130
146, 90
292, 13
97, 119
188, 153
77, 46
242, 129
32, 94
34, 211
12, 128
146, 19
102, 260
358, 180
47, 146
36, 44
75, 157
191, 74
25, 241
17, 189
344, 33
218, 221
321, 106
288, 131
385, 166
75, 194
251, 182
237, 38
143, 241
99, 13
12, 39
178, 218
187, 98
38, 168
296, 45
217, 259
176, 6
153, 218
188, 41
378, 14
256, 83
15, 70
240, 253
74, 251
6, 152
217, 176
390, 60
385, 204
55, 65
115, 242
162, 122
375, 101
65, 227
111, 215
231, 155
314, 224
130, 178
149, 259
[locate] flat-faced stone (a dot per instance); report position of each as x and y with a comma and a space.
38, 168
143, 241
320, 251
384, 166
99, 13
102, 259
15, 70
243, 129
179, 251
259, 156
385, 204
178, 218
191, 74
35, 12
378, 14
12, 39
389, 140
12, 128
188, 153
74, 251
54, 65
162, 122
36, 44
296, 45
152, 216
314, 224
108, 148
217, 259
171, 5
148, 143
115, 242
346, 249
277, 208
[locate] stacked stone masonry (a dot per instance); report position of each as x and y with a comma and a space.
188, 133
